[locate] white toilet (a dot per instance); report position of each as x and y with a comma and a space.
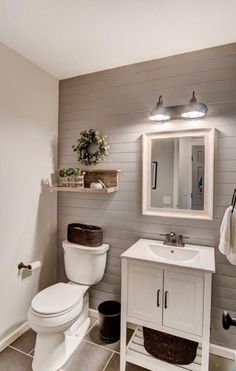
59, 313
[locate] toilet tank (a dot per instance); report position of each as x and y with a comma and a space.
85, 265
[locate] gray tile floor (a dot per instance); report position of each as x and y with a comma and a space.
91, 355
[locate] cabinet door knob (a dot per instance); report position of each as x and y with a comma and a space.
158, 297
166, 293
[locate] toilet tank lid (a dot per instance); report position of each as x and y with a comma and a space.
86, 249
57, 298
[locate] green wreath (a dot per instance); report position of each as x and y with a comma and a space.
88, 137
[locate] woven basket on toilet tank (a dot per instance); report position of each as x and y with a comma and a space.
169, 348
84, 234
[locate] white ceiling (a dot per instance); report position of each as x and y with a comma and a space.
73, 37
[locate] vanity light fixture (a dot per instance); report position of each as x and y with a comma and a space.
159, 113
193, 110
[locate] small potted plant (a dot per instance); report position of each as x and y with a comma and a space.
71, 177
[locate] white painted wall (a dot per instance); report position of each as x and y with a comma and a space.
28, 215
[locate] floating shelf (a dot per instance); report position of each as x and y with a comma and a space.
109, 177
84, 190
137, 354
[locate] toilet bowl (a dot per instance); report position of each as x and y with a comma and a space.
59, 313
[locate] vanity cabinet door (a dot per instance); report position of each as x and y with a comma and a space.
145, 290
183, 302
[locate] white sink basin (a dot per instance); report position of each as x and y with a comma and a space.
189, 256
173, 252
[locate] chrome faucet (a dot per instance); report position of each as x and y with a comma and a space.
172, 239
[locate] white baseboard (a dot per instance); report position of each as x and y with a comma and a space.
14, 335
220, 351
217, 350
93, 313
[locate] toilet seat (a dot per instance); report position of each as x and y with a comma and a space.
49, 311
57, 299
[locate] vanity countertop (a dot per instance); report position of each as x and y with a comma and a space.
189, 256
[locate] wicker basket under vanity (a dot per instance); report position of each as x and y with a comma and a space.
169, 348
73, 181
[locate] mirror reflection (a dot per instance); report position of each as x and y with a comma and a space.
177, 173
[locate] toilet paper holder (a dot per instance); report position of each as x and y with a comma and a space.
23, 266
29, 267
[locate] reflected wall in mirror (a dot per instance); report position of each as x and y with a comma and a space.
178, 172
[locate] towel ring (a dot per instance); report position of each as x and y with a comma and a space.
233, 201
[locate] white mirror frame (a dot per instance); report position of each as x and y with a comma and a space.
207, 213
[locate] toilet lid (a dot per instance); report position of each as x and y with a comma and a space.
57, 298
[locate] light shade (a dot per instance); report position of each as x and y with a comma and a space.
159, 113
194, 110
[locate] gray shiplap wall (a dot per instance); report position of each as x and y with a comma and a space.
117, 101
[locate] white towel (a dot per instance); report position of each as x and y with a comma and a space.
227, 245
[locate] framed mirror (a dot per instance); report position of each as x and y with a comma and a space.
178, 174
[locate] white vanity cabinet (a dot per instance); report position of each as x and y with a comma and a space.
183, 301
168, 296
145, 288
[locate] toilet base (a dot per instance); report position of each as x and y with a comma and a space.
52, 350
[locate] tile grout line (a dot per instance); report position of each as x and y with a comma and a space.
101, 346
20, 351
31, 351
61, 369
108, 361
91, 328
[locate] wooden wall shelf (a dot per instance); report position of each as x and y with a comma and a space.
83, 190
109, 177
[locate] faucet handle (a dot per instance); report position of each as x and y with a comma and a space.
180, 239
167, 238
181, 236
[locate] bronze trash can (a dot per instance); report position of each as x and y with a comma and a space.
169, 348
109, 321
